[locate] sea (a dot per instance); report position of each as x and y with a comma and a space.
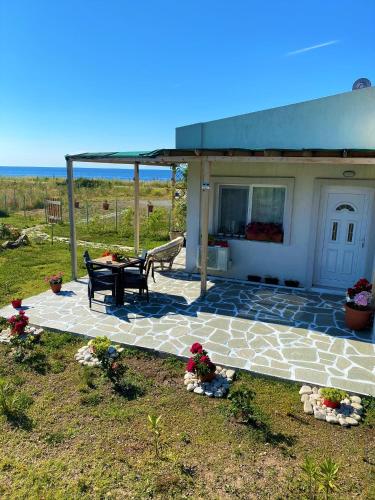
122, 173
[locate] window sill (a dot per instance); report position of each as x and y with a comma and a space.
243, 238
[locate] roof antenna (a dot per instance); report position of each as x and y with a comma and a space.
361, 83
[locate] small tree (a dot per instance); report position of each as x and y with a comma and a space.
156, 431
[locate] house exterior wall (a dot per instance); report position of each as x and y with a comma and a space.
295, 258
342, 121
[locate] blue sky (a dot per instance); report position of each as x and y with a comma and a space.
90, 75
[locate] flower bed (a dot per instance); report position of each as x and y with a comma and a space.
348, 412
204, 377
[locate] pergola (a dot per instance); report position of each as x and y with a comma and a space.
172, 157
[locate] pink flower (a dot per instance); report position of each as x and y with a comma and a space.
362, 299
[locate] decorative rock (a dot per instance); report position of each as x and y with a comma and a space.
307, 408
348, 413
343, 422
305, 389
320, 414
355, 416
217, 387
351, 421
356, 399
357, 407
332, 419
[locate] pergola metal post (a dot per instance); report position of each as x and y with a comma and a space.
73, 241
136, 208
205, 193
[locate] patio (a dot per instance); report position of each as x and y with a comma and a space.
294, 335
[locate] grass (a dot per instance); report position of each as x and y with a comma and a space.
90, 442
30, 193
22, 271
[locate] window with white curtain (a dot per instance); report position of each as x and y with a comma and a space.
234, 207
260, 208
267, 204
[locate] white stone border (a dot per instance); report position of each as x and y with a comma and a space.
348, 413
218, 387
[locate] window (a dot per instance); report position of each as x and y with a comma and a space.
255, 211
267, 205
349, 237
334, 231
234, 202
345, 206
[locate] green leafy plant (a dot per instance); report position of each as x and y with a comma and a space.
333, 395
243, 408
320, 478
154, 426
310, 476
100, 346
109, 356
328, 471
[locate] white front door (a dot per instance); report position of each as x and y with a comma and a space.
342, 236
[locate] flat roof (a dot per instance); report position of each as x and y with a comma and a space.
169, 157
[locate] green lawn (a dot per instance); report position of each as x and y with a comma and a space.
80, 442
22, 271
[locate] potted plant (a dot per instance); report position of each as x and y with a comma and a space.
16, 303
105, 205
254, 277
55, 281
332, 397
200, 364
292, 283
358, 310
76, 204
271, 280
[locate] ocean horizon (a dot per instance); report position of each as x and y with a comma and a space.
99, 172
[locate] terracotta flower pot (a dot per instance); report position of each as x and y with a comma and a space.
105, 205
208, 377
76, 204
331, 404
356, 319
17, 303
56, 287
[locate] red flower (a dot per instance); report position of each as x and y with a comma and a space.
115, 366
206, 360
196, 348
190, 367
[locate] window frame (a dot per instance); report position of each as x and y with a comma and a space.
250, 182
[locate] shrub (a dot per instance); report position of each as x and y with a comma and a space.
334, 395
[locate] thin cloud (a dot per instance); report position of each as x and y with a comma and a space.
313, 47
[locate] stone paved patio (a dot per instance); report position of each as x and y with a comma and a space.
293, 335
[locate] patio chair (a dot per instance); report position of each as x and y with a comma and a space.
165, 254
139, 281
100, 279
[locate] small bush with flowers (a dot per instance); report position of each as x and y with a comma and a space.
200, 363
22, 337
360, 295
110, 358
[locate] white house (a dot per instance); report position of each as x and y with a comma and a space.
303, 176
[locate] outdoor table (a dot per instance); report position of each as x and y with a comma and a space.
107, 262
